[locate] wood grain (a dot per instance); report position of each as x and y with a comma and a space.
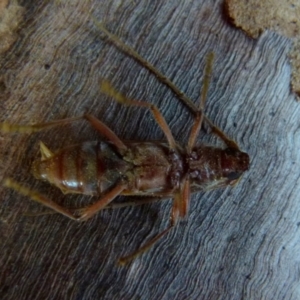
237, 243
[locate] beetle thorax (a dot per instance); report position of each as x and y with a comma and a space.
177, 170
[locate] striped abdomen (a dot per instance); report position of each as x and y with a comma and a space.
89, 168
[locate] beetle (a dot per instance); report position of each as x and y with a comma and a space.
112, 167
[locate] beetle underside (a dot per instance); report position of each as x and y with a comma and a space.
118, 167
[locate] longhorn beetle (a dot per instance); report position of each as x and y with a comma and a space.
116, 167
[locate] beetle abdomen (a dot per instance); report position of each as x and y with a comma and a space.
89, 168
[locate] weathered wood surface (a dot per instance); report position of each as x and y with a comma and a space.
237, 243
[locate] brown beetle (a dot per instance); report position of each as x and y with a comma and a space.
116, 167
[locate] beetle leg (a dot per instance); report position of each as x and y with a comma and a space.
165, 80
200, 115
84, 214
107, 88
179, 210
135, 202
7, 127
36, 196
97, 124
91, 210
144, 63
106, 132
184, 198
126, 259
112, 205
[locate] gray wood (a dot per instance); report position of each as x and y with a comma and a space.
237, 243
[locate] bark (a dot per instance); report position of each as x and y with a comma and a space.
237, 243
